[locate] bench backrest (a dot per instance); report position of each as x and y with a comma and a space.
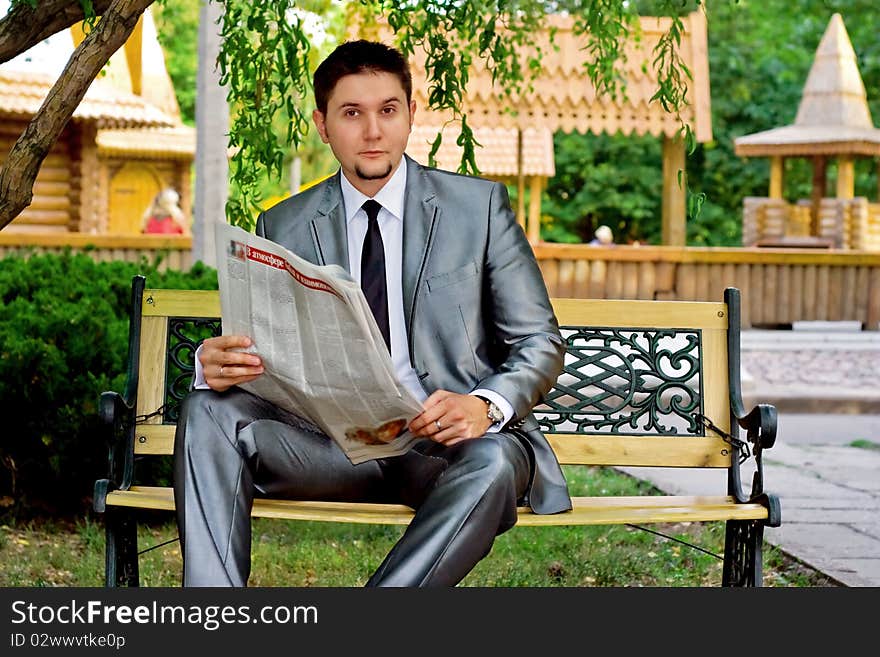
638, 376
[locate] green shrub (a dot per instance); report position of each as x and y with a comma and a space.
63, 341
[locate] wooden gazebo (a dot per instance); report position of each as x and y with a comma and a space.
833, 121
563, 98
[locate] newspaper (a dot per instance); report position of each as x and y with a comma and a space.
324, 358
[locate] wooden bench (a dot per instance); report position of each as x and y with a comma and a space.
646, 383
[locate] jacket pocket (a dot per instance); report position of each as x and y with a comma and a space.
451, 277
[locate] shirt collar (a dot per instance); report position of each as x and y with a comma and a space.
389, 197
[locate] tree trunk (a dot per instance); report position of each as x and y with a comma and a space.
24, 160
25, 26
212, 119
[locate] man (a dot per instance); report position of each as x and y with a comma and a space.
460, 300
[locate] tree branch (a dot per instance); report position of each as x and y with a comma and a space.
25, 26
24, 160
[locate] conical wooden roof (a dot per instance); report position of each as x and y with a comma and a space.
833, 117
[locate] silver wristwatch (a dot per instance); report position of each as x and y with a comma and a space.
492, 411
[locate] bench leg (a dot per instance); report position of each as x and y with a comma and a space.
742, 553
121, 566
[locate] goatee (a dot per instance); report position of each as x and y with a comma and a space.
363, 175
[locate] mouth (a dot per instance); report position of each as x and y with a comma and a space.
372, 154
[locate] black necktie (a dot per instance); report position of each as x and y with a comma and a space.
373, 271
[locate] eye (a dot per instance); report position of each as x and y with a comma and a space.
351, 113
389, 110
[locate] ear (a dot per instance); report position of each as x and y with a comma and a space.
318, 118
412, 113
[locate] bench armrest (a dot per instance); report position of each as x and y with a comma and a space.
760, 425
118, 411
114, 409
118, 415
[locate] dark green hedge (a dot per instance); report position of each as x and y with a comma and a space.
63, 341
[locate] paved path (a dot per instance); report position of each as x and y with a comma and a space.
829, 488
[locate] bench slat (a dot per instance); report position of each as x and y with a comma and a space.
586, 312
640, 314
587, 510
571, 449
661, 451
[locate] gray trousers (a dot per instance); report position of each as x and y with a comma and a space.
233, 446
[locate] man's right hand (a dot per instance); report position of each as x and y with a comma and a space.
224, 367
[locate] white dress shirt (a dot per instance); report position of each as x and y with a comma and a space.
391, 198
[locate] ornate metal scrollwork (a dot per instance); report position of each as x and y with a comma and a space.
185, 334
627, 381
742, 553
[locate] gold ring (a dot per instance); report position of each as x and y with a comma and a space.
221, 370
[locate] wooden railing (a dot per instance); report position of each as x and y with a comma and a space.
174, 251
779, 286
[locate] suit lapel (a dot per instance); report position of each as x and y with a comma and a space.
419, 217
329, 231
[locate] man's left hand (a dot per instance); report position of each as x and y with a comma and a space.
450, 418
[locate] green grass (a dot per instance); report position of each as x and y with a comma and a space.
864, 444
288, 553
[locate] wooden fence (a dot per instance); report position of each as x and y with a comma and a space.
779, 286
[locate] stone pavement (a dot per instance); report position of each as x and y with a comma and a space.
825, 466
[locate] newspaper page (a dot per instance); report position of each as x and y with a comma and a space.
324, 358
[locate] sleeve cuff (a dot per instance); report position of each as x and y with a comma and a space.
198, 382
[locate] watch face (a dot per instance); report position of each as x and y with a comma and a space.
492, 411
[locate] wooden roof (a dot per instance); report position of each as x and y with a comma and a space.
178, 142
833, 117
22, 94
563, 97
497, 154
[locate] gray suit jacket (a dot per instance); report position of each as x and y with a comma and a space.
475, 304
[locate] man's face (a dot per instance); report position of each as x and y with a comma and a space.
367, 125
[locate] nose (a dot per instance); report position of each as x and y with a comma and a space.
371, 127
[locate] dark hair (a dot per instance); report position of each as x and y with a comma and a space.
357, 57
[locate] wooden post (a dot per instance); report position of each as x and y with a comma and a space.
674, 194
820, 171
777, 177
534, 226
846, 176
520, 181
92, 215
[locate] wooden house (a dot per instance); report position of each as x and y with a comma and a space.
125, 142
